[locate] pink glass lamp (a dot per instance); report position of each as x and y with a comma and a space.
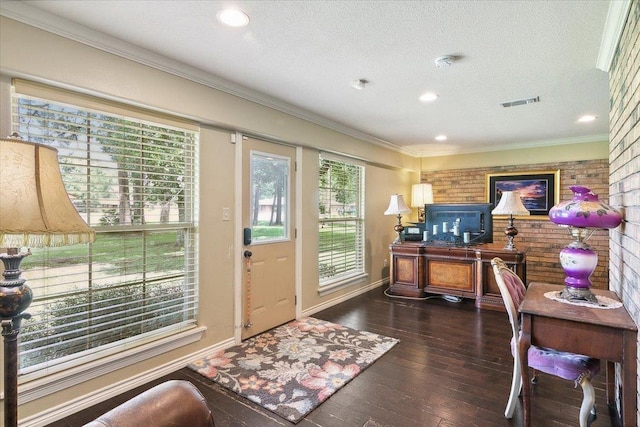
582, 215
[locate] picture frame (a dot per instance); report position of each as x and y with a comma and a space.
539, 190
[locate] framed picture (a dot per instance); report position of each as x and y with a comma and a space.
539, 190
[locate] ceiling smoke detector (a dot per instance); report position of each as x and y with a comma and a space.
359, 83
445, 61
520, 102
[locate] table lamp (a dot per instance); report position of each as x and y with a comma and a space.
510, 204
582, 215
35, 211
397, 206
421, 194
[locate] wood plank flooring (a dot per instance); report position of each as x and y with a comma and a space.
452, 367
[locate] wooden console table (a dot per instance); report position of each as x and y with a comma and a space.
608, 334
419, 268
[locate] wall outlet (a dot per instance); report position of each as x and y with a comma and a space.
386, 262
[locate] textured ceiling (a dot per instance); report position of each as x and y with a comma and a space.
302, 56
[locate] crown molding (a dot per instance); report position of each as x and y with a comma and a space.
45, 21
425, 151
616, 18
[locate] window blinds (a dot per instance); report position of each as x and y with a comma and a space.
132, 175
341, 222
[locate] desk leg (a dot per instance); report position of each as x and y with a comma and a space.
523, 349
611, 383
629, 379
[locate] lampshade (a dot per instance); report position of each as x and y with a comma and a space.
397, 205
585, 210
510, 204
421, 194
35, 210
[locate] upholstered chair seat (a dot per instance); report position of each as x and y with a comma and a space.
569, 366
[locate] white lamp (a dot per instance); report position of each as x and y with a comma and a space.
35, 211
510, 204
421, 194
397, 206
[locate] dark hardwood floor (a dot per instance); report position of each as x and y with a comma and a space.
452, 367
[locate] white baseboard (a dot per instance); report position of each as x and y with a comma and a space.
342, 298
69, 408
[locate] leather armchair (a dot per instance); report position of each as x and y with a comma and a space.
170, 404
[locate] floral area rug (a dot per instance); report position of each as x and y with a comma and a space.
293, 368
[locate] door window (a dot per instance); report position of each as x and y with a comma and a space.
269, 197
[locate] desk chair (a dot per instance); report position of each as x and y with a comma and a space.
570, 366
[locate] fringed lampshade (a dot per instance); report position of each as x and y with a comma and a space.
35, 211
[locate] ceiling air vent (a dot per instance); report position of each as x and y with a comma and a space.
520, 102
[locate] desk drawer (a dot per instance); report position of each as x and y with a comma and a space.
451, 275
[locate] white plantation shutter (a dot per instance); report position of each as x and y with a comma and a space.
341, 221
132, 175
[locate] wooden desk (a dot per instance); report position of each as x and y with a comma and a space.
419, 268
607, 334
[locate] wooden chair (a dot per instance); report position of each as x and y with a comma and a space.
570, 366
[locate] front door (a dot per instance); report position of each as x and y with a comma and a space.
268, 290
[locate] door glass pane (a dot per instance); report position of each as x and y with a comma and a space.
269, 197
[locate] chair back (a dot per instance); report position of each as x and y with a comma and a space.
512, 290
169, 404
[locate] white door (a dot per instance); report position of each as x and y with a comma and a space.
268, 208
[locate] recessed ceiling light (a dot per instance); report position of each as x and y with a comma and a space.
441, 138
428, 97
587, 118
233, 17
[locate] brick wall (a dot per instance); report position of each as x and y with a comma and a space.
624, 158
543, 238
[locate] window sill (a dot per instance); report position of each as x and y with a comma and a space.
341, 283
50, 384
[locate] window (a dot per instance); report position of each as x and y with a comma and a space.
270, 197
133, 178
341, 222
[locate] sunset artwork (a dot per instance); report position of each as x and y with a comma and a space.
538, 190
532, 192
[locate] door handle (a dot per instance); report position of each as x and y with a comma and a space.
247, 254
